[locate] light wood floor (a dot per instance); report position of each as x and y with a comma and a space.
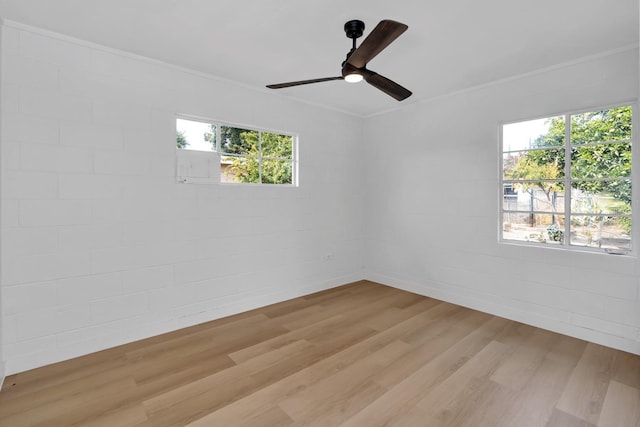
359, 355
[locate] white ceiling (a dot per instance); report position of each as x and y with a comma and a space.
450, 45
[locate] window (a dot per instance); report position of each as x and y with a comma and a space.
246, 155
566, 180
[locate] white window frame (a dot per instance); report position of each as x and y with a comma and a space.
565, 245
220, 154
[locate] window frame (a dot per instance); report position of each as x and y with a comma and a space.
217, 150
568, 180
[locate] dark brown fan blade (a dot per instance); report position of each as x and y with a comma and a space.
381, 36
303, 82
389, 87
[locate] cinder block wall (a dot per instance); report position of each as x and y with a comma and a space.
101, 246
432, 219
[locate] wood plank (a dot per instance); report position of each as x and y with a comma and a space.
388, 317
527, 358
411, 377
271, 395
627, 369
125, 416
225, 380
450, 401
70, 409
585, 391
562, 419
362, 354
534, 404
259, 347
78, 369
487, 406
621, 406
344, 393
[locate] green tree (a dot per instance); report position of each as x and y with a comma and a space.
181, 140
232, 140
599, 161
590, 158
211, 137
606, 160
277, 158
531, 168
257, 157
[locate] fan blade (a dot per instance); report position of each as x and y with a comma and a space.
389, 87
381, 36
303, 82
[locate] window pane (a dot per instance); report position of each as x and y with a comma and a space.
276, 172
510, 193
534, 183
276, 145
601, 126
601, 232
238, 141
601, 197
193, 135
523, 227
547, 132
226, 171
544, 196
533, 164
239, 169
601, 161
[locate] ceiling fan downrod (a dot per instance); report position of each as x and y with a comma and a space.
354, 29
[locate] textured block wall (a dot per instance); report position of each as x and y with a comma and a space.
101, 246
432, 223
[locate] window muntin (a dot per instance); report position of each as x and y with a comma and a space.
246, 155
592, 190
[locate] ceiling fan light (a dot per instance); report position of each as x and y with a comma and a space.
353, 78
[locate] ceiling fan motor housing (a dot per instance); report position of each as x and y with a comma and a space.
354, 28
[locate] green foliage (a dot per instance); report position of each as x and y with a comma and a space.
181, 140
210, 137
610, 160
538, 165
256, 157
545, 164
625, 224
601, 126
554, 137
555, 233
261, 157
232, 140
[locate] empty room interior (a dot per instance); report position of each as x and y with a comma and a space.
363, 213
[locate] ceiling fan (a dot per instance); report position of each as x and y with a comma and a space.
354, 68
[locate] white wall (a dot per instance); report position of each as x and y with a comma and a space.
2, 367
100, 246
432, 207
